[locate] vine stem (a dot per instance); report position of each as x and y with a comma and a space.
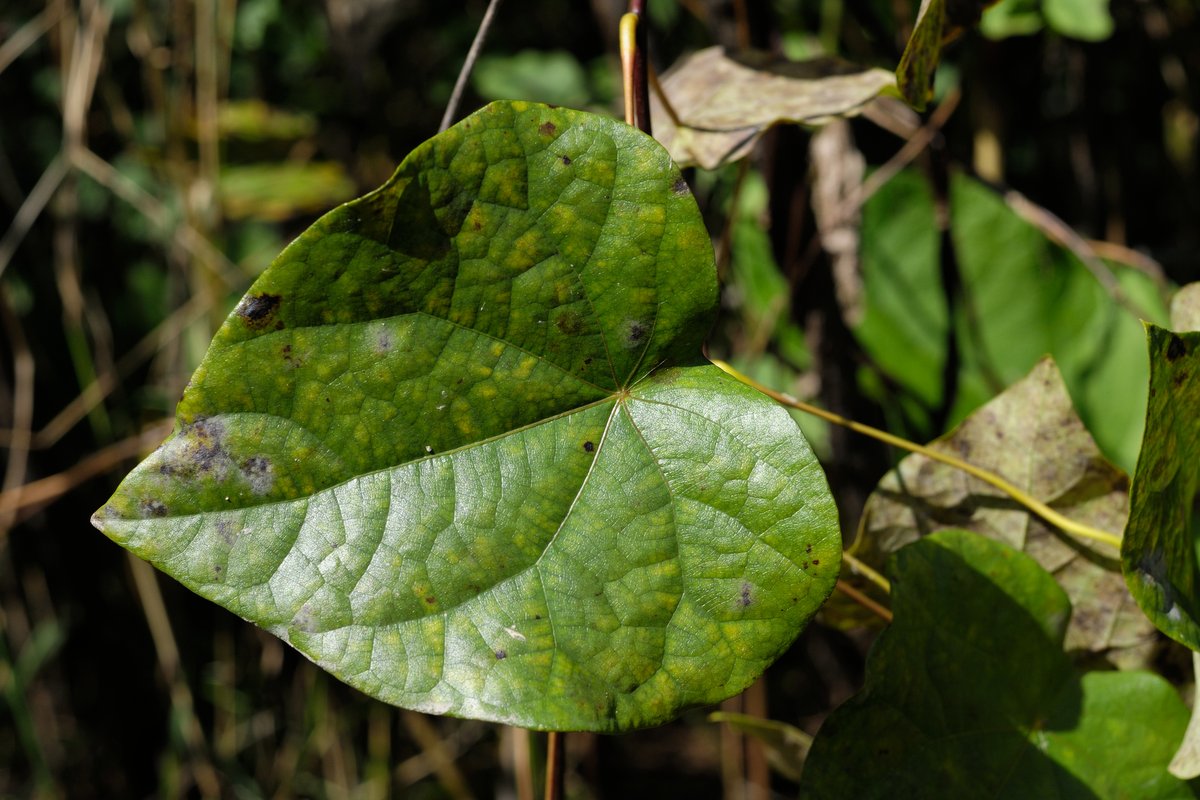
1044, 511
865, 602
555, 763
635, 67
867, 572
460, 85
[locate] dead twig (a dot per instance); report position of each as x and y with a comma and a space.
460, 85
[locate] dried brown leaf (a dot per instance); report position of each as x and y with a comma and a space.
724, 102
1032, 436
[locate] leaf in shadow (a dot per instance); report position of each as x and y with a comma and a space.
969, 694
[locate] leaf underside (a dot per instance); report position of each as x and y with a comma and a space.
457, 445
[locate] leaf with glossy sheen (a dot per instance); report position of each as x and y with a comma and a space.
1031, 435
724, 101
1158, 553
457, 444
969, 695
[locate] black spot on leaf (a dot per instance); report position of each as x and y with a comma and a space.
588, 446
635, 333
680, 187
566, 160
258, 309
1176, 349
746, 600
501, 655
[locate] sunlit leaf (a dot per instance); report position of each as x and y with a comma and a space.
458, 446
725, 101
1031, 435
969, 694
1159, 550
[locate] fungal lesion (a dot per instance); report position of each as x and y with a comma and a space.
257, 310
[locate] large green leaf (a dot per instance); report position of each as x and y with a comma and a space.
969, 694
1158, 553
1031, 435
457, 444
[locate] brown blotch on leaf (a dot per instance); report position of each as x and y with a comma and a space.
547, 129
816, 562
1176, 349
589, 446
430, 599
680, 187
258, 309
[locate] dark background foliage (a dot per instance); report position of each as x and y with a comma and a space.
188, 141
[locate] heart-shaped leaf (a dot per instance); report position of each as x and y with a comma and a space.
457, 444
969, 694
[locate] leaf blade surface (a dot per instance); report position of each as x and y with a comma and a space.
458, 447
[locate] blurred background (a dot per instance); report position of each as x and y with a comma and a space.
155, 156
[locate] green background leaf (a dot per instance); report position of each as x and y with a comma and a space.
969, 694
1158, 553
1025, 297
458, 447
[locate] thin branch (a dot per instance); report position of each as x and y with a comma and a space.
150, 207
49, 489
864, 601
22, 405
30, 32
859, 568
903, 157
472, 56
1063, 523
1060, 232
31, 209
